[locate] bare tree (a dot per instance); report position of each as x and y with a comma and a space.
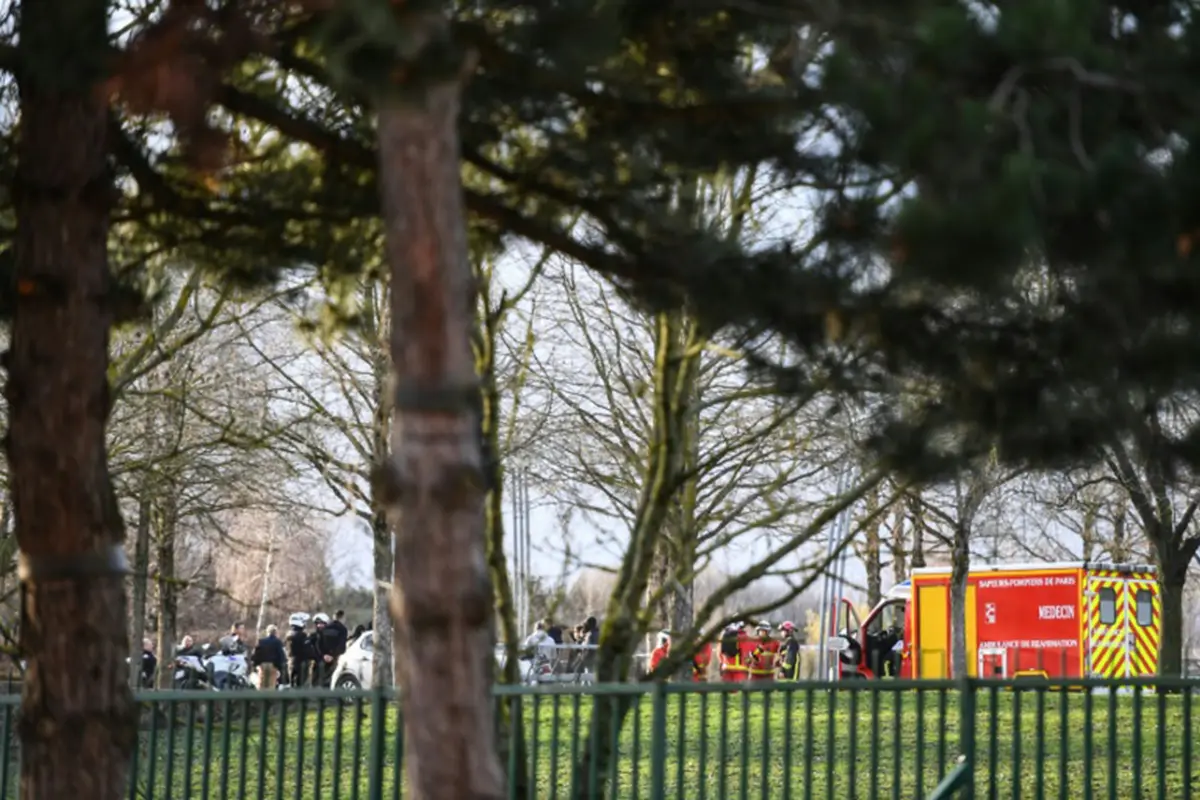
956, 508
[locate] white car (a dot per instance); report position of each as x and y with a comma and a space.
355, 667
353, 670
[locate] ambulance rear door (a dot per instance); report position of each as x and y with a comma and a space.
1108, 629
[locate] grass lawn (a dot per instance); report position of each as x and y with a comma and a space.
810, 743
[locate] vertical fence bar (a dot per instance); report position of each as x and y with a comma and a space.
1088, 741
703, 767
356, 758
1112, 746
1161, 744
189, 746
1186, 696
765, 758
658, 743
1039, 763
723, 750
1137, 737
966, 734
536, 736
809, 736
680, 753
636, 777
897, 752
744, 794
398, 763
1064, 743
340, 710
280, 749
575, 709
226, 743
378, 727
1018, 702
614, 774
830, 738
920, 759
134, 765
788, 706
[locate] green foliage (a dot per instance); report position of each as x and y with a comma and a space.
1043, 144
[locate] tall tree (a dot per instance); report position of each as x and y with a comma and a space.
68, 523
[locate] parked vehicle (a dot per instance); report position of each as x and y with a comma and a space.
1060, 620
230, 671
354, 668
190, 672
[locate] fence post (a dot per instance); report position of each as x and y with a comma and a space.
658, 742
966, 735
378, 726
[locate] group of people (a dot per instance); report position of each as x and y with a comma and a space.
585, 633
301, 658
312, 656
742, 657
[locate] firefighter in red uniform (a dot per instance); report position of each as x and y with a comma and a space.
700, 663
787, 660
747, 644
762, 657
661, 650
733, 668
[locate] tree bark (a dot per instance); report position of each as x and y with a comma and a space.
916, 516
871, 555
382, 665
1173, 562
434, 481
168, 596
76, 735
899, 547
673, 379
960, 565
141, 584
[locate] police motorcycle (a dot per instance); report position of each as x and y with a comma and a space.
230, 670
190, 672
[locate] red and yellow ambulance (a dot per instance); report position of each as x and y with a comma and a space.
1063, 620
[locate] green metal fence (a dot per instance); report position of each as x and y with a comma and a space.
889, 739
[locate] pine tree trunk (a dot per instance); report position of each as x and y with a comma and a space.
434, 484
76, 737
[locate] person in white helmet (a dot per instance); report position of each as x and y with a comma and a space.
329, 646
788, 659
299, 649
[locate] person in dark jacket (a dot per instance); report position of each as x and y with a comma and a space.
328, 644
339, 626
268, 658
299, 650
591, 632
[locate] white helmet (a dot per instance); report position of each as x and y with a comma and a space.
298, 620
663, 638
321, 619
